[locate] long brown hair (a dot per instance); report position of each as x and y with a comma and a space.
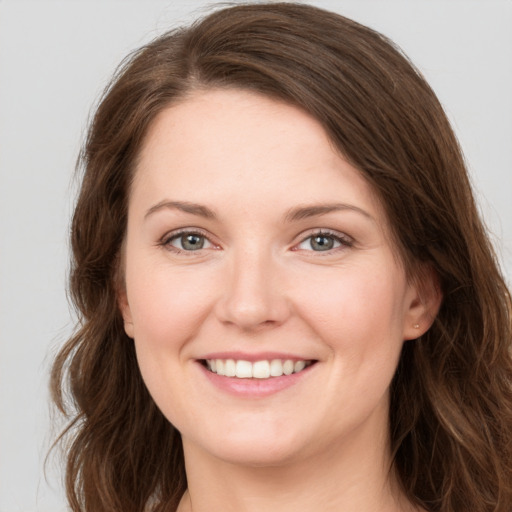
451, 398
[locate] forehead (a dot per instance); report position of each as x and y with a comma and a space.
233, 146
234, 123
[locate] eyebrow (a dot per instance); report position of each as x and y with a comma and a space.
184, 206
305, 212
292, 215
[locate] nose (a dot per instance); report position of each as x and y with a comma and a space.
254, 296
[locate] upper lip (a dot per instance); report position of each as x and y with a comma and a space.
260, 356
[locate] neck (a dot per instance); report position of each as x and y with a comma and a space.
353, 476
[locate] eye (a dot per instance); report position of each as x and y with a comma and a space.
324, 241
187, 241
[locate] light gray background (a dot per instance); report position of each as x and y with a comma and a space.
56, 57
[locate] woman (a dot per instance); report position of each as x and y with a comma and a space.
287, 298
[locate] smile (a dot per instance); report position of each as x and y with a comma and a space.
264, 369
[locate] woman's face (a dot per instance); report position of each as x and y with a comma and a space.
253, 249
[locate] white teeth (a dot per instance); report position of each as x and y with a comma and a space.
287, 367
299, 366
243, 369
258, 370
261, 370
230, 368
276, 368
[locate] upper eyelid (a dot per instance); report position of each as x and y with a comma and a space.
345, 241
165, 241
325, 232
182, 231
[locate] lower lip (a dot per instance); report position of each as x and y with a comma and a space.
254, 388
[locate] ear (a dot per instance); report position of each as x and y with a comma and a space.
124, 307
423, 303
121, 294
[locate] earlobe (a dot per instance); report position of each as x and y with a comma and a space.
424, 306
124, 307
122, 298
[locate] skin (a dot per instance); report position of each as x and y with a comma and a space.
258, 285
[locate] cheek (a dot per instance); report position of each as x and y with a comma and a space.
358, 311
167, 307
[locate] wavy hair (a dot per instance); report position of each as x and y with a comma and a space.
451, 397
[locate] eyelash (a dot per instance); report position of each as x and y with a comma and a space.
166, 240
343, 240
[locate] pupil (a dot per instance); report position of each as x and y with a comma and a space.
192, 242
322, 243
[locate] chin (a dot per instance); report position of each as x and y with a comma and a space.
258, 450
262, 456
